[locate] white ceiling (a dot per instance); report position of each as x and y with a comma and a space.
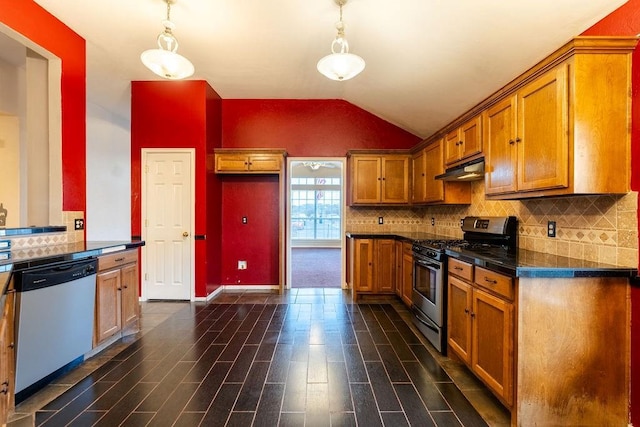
428, 61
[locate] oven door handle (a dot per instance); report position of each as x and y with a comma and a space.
428, 264
424, 319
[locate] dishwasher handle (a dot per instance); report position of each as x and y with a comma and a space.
54, 274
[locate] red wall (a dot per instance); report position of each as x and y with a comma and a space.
32, 21
256, 241
323, 128
626, 22
172, 114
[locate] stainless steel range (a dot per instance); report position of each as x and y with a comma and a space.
488, 235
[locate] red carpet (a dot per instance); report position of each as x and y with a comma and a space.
315, 268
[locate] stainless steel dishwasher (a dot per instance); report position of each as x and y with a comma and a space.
54, 321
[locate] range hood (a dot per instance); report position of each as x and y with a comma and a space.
469, 171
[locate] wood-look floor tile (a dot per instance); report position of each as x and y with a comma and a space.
252, 387
127, 404
414, 409
365, 405
426, 388
396, 419
392, 364
268, 412
382, 389
339, 390
343, 419
207, 390
220, 408
460, 405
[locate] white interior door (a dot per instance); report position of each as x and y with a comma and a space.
167, 214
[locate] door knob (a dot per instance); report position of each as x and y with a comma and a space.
185, 234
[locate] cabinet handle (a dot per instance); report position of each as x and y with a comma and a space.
492, 281
458, 268
125, 286
118, 289
5, 387
119, 259
511, 141
466, 311
473, 314
250, 163
383, 178
12, 345
518, 139
379, 178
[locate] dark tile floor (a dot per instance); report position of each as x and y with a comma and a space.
309, 357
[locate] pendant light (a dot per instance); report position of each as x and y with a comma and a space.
340, 64
165, 61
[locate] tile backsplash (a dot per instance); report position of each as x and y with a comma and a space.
600, 228
49, 239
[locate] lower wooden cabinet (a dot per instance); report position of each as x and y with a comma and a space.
481, 326
373, 266
407, 274
7, 358
117, 306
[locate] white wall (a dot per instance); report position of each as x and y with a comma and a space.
108, 175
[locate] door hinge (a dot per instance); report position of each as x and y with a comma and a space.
146, 222
146, 276
146, 168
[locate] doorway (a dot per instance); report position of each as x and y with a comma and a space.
168, 183
315, 223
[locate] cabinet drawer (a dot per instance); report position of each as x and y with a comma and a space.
496, 282
114, 260
461, 269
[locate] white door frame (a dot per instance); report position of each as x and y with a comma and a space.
143, 196
343, 161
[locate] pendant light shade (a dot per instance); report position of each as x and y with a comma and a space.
165, 61
340, 65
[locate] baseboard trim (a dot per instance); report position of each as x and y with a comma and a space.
251, 287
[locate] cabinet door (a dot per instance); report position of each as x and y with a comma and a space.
459, 318
543, 130
492, 352
365, 179
452, 147
419, 177
129, 294
501, 155
108, 309
398, 258
363, 265
471, 138
395, 179
231, 162
434, 190
407, 278
265, 163
385, 266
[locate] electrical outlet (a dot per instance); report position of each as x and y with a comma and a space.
551, 229
244, 220
78, 224
433, 221
380, 220
242, 265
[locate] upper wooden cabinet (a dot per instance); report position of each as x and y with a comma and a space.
248, 161
464, 142
428, 163
527, 137
379, 179
565, 128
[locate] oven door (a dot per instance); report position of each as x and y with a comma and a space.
428, 288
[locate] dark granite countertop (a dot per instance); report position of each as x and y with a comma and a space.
523, 263
31, 257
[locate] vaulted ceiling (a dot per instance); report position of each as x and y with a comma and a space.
427, 61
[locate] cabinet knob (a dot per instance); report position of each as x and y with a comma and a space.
511, 141
473, 314
518, 140
466, 311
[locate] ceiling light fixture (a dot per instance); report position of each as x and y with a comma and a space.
165, 61
340, 64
